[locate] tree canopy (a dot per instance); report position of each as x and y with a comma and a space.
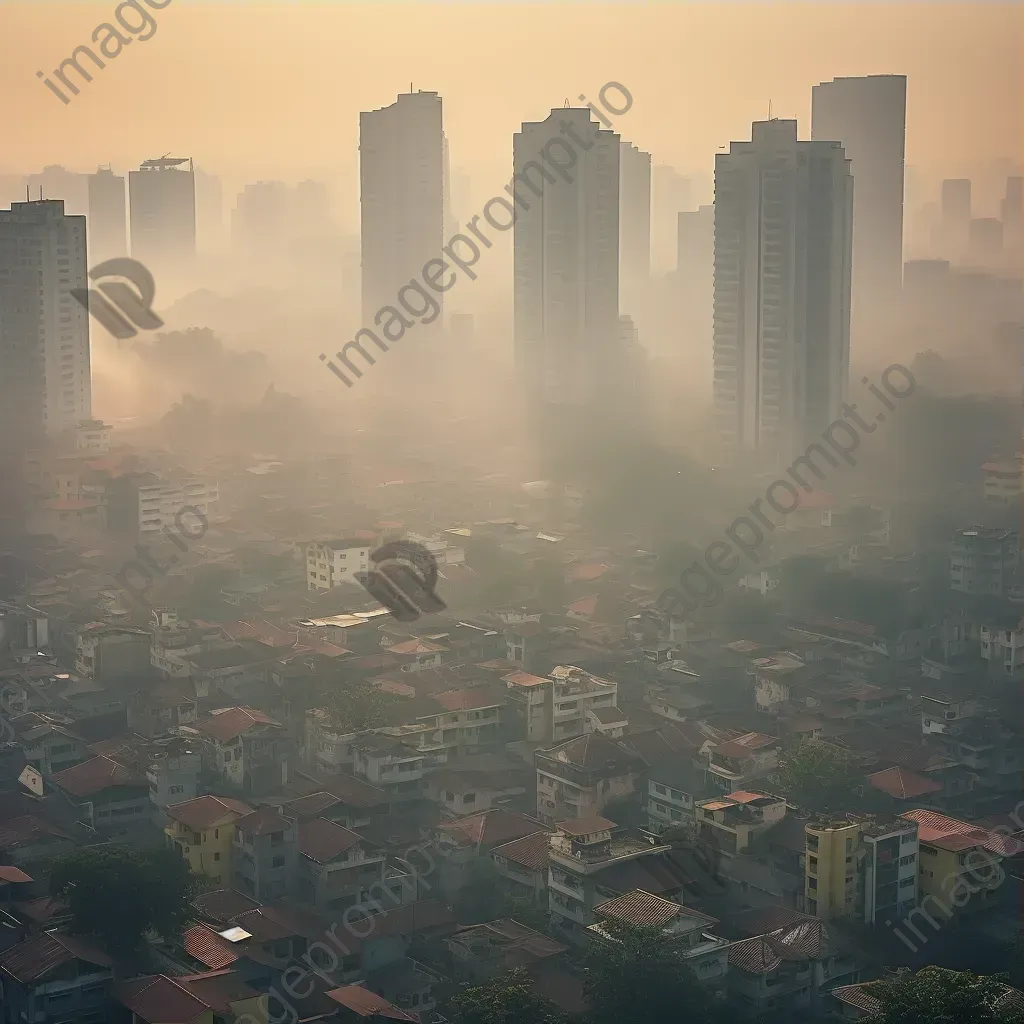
638, 976
353, 708
117, 894
505, 999
820, 777
935, 995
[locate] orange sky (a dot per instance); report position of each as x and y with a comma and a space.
276, 88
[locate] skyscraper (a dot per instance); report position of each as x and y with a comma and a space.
45, 382
634, 223
868, 117
783, 250
162, 199
401, 195
108, 237
671, 194
566, 263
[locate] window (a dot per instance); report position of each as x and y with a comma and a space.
660, 790
176, 789
929, 850
469, 798
276, 838
812, 884
849, 846
906, 883
277, 862
216, 833
216, 857
227, 757
812, 863
906, 861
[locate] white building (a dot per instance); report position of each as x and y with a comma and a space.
783, 236
45, 380
401, 194
868, 117
163, 501
566, 259
557, 708
334, 562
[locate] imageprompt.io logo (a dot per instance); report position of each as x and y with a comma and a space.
403, 579
127, 311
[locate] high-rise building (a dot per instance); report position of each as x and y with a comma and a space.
401, 195
56, 182
45, 383
566, 262
868, 117
956, 214
634, 223
108, 236
1011, 211
671, 194
783, 251
162, 199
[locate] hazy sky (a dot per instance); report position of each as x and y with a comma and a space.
278, 87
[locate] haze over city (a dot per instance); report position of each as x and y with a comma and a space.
511, 510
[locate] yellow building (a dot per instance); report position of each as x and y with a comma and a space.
203, 831
960, 863
864, 869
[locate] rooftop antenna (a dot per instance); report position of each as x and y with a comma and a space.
567, 102
769, 110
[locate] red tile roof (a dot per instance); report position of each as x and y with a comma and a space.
322, 840
644, 910
531, 851
205, 945
355, 792
415, 647
224, 904
586, 826
489, 828
36, 957
902, 783
366, 1003
207, 811
858, 996
762, 954
950, 834
745, 745
230, 723
42, 911
9, 873
521, 678
160, 1000
312, 805
473, 697
259, 823
95, 775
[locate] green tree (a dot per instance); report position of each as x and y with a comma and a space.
935, 995
359, 707
637, 976
506, 999
820, 777
117, 894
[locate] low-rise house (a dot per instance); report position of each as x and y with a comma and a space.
357, 1003
192, 999
247, 748
672, 788
588, 865
173, 774
342, 798
105, 794
392, 765
337, 868
51, 977
960, 867
461, 791
729, 823
265, 855
163, 708
111, 653
556, 708
740, 762
27, 839
581, 776
325, 748
48, 742
689, 931
788, 965
480, 951
462, 840
523, 863
202, 830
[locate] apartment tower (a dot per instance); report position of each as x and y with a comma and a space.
566, 292
401, 197
783, 250
634, 224
108, 235
162, 201
868, 117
